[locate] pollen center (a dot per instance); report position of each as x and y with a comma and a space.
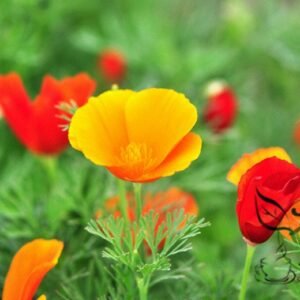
137, 157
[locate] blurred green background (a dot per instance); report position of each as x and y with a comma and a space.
180, 44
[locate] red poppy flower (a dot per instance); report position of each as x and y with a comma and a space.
36, 123
221, 108
112, 65
297, 133
161, 203
266, 192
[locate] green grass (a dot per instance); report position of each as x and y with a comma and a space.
174, 44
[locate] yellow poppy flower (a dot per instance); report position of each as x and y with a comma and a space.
28, 267
137, 136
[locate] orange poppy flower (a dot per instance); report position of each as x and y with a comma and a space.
36, 123
112, 65
28, 267
137, 136
169, 201
161, 203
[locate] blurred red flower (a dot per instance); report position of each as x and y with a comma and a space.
36, 123
267, 192
297, 133
112, 65
221, 108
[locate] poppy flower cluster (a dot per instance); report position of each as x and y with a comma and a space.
268, 193
36, 123
137, 136
28, 268
160, 203
221, 108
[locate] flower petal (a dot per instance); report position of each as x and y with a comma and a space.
16, 107
169, 201
290, 224
159, 118
78, 88
50, 138
249, 160
29, 266
98, 128
187, 150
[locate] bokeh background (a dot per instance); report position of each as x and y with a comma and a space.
180, 44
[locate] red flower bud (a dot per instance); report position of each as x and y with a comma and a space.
221, 108
112, 66
36, 123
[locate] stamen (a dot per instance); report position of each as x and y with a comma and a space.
137, 157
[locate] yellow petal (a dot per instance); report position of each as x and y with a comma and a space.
98, 129
42, 297
249, 160
29, 266
159, 118
188, 149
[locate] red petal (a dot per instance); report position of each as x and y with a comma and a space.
78, 88
16, 107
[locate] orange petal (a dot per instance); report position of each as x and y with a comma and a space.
98, 128
188, 149
159, 118
170, 200
249, 160
291, 222
29, 266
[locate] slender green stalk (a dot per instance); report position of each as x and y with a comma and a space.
248, 261
123, 200
143, 285
138, 199
50, 165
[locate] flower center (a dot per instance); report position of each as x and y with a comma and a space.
136, 157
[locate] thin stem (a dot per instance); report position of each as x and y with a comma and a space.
123, 200
50, 165
248, 261
143, 285
138, 199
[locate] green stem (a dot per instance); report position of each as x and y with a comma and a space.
50, 165
138, 199
123, 200
248, 261
143, 285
